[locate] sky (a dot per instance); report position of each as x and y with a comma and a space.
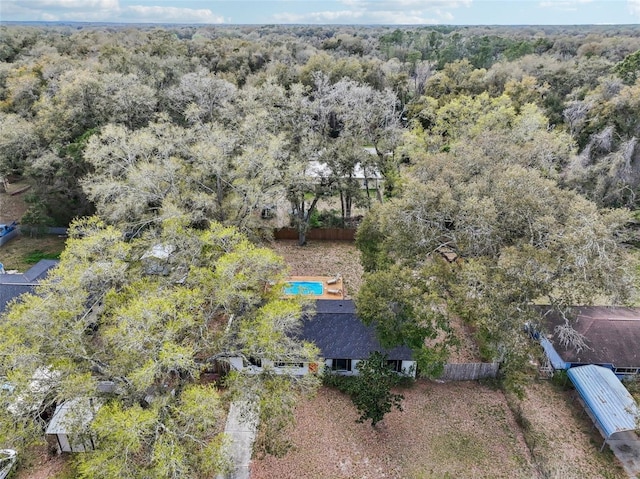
366, 12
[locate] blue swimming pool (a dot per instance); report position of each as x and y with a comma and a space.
313, 288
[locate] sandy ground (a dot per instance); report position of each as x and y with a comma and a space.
447, 430
562, 439
323, 258
451, 430
11, 207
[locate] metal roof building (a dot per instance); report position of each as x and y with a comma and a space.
606, 400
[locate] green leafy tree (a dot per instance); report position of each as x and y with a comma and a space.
512, 237
102, 316
371, 389
628, 68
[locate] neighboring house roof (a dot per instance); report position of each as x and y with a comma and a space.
613, 408
14, 285
339, 333
611, 335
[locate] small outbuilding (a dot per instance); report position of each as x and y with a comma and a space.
607, 402
68, 430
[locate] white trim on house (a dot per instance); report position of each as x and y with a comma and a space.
302, 368
295, 369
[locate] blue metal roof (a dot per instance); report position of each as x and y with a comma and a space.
554, 358
613, 408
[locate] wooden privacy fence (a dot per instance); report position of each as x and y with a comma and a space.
469, 371
326, 234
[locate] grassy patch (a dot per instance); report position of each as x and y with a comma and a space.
22, 252
37, 255
462, 449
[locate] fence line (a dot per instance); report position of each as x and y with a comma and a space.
469, 371
320, 234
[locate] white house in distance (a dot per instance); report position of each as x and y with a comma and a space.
343, 341
365, 175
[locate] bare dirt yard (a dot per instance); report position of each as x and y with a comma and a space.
12, 204
41, 465
562, 439
447, 430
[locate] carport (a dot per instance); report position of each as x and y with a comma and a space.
612, 410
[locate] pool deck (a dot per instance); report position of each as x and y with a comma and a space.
337, 286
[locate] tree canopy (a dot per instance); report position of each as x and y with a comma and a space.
105, 314
484, 230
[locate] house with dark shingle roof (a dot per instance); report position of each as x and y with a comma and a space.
343, 341
14, 285
611, 338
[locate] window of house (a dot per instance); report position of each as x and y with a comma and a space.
626, 371
255, 361
395, 365
283, 364
341, 365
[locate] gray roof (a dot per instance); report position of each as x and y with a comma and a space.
72, 413
339, 333
14, 285
611, 334
39, 270
11, 291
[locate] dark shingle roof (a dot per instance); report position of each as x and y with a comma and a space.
14, 285
612, 335
11, 291
39, 270
338, 332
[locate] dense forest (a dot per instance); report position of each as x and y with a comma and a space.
511, 171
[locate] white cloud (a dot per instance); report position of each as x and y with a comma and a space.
563, 4
434, 4
634, 7
104, 11
73, 4
56, 10
394, 12
341, 16
415, 17
140, 13
388, 5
